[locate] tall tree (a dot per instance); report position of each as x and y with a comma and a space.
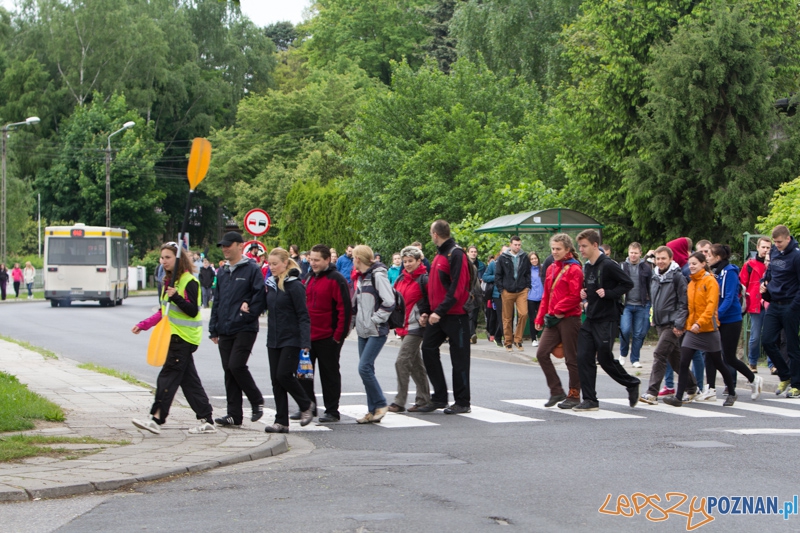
442, 44
282, 34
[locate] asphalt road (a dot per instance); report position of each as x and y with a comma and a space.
511, 465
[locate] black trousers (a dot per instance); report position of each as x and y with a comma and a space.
687, 354
235, 351
498, 314
598, 338
473, 319
325, 359
456, 329
491, 322
179, 371
283, 372
16, 289
729, 337
533, 310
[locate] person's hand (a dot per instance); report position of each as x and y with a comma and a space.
763, 287
434, 318
695, 328
136, 330
583, 294
601, 293
677, 332
539, 327
245, 307
215, 340
171, 291
423, 319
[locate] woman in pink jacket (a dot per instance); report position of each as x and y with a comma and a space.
16, 277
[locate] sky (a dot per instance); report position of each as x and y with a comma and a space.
262, 12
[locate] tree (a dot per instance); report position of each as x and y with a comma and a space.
441, 45
319, 213
705, 132
282, 34
784, 209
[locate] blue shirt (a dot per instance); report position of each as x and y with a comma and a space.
345, 267
537, 290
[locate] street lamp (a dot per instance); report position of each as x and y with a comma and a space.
30, 121
124, 127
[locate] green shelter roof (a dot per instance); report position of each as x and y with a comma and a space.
545, 221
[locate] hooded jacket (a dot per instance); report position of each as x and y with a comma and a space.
448, 283
504, 277
565, 297
329, 305
680, 250
393, 273
750, 276
415, 296
488, 277
288, 324
730, 308
373, 301
645, 273
237, 284
783, 275
668, 293
606, 274
703, 299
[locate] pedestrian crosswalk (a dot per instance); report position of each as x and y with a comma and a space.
526, 410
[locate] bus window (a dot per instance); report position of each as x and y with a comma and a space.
76, 251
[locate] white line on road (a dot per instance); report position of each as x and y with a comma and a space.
391, 420
692, 412
766, 409
496, 417
765, 431
597, 415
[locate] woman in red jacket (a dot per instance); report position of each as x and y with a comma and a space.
560, 317
750, 276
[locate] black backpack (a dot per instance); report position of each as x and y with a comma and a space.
398, 317
475, 299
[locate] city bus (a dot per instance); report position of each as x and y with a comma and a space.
85, 263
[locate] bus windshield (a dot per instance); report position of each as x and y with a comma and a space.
76, 251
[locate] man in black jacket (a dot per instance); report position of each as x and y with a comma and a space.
604, 284
512, 278
206, 278
238, 301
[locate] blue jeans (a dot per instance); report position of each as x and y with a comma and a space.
779, 316
698, 368
633, 329
754, 346
368, 350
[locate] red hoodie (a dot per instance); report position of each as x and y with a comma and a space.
750, 276
329, 305
566, 296
680, 250
448, 282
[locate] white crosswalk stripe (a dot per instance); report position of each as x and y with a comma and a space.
391, 420
494, 416
602, 414
689, 410
766, 409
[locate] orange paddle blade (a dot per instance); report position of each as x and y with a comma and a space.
199, 160
159, 343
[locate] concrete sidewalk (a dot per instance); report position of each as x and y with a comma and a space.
101, 406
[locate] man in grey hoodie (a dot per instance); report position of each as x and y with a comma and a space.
512, 278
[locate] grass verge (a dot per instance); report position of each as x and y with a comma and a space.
116, 373
47, 354
19, 406
14, 447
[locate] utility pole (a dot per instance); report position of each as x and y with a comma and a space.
3, 211
124, 127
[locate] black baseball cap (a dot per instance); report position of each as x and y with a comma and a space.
230, 238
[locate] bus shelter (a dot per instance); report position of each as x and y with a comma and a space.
545, 221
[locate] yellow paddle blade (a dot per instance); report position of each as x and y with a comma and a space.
199, 159
159, 343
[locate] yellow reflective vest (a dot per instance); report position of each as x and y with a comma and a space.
186, 327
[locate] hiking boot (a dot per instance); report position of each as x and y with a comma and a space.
673, 401
308, 415
456, 409
633, 395
205, 426
227, 421
509, 348
649, 399
147, 425
276, 428
730, 399
429, 408
569, 403
783, 386
587, 405
756, 385
555, 399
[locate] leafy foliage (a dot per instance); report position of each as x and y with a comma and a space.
784, 208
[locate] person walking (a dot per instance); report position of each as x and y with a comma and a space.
186, 328
559, 316
3, 280
288, 333
670, 309
16, 277
489, 278
207, 278
448, 291
345, 265
239, 300
535, 293
395, 269
29, 276
330, 310
512, 279
604, 284
474, 314
750, 276
701, 329
730, 324
373, 302
413, 287
635, 320
488, 292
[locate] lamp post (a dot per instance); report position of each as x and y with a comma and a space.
124, 127
27, 122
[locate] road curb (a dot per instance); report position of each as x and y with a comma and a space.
275, 446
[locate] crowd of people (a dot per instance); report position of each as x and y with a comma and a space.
17, 276
695, 300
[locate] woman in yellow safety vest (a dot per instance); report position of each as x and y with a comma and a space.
187, 329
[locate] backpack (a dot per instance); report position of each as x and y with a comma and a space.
397, 319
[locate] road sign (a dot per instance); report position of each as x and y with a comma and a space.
248, 248
257, 222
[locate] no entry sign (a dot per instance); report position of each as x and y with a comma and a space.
257, 222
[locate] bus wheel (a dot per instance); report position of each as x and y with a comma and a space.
53, 303
66, 302
119, 302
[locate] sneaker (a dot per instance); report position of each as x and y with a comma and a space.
666, 391
729, 400
204, 427
366, 419
276, 428
633, 395
227, 421
673, 401
456, 409
569, 403
327, 418
555, 399
535, 343
394, 408
691, 396
509, 349
498, 342
636, 364
753, 368
755, 386
308, 415
147, 425
622, 361
587, 405
297, 415
519, 347
783, 386
379, 413
649, 399
473, 339
258, 412
708, 395
430, 407
490, 337
793, 393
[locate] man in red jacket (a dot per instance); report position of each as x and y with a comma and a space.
750, 276
330, 310
448, 291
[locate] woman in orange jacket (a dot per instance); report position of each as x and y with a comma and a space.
702, 328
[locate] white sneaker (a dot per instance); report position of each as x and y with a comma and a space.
708, 395
756, 387
649, 399
204, 427
147, 425
691, 396
535, 343
636, 364
622, 361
